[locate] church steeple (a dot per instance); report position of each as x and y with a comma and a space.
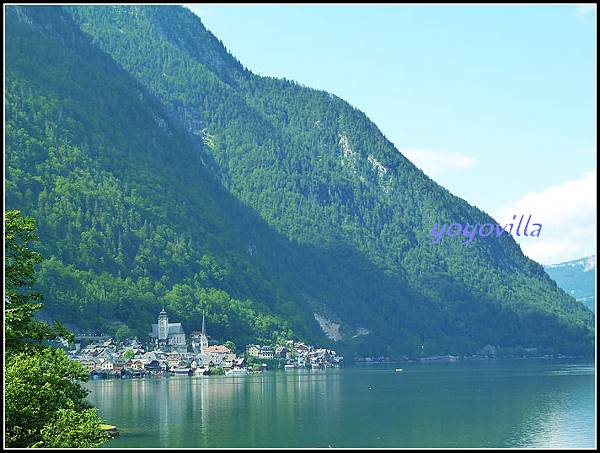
163, 326
203, 337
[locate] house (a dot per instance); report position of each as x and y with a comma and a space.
88, 363
103, 353
301, 348
136, 351
92, 349
281, 352
149, 356
253, 350
215, 358
173, 360
132, 343
240, 362
218, 349
105, 365
153, 367
266, 352
136, 365
227, 364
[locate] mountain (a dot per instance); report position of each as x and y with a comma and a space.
129, 217
161, 171
577, 278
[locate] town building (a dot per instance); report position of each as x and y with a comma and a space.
218, 348
105, 365
253, 350
136, 365
281, 352
266, 352
168, 335
215, 355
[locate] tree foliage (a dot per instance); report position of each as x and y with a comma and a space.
45, 404
22, 330
43, 392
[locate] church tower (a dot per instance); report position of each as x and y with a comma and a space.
163, 327
203, 338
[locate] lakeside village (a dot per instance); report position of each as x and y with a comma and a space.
167, 354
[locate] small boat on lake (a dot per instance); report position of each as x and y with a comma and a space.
398, 369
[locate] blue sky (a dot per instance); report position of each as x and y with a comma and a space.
496, 103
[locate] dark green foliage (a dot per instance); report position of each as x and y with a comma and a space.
45, 404
162, 171
22, 330
43, 392
59, 433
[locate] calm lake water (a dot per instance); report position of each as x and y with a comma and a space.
525, 404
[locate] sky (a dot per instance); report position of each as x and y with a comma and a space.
495, 103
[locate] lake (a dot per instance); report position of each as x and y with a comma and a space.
501, 404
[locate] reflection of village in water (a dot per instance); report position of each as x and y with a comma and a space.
240, 404
168, 353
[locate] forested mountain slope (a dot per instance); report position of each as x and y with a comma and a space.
129, 217
162, 171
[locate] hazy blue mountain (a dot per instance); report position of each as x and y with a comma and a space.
577, 278
161, 171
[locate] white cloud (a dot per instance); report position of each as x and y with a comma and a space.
436, 163
567, 213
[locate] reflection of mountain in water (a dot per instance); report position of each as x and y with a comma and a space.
435, 405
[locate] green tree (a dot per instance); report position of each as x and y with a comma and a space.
43, 392
230, 345
58, 433
22, 330
122, 333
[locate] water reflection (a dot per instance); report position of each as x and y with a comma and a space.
442, 405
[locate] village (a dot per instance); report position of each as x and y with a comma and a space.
168, 353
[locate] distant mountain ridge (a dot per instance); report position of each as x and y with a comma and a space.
163, 172
577, 278
587, 263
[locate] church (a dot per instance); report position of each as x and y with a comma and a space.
168, 336
199, 339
